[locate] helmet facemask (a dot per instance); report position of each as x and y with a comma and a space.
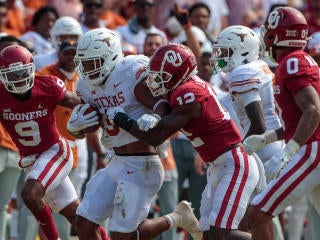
156, 82
171, 65
94, 69
18, 78
222, 59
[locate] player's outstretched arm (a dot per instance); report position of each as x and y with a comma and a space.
70, 100
168, 125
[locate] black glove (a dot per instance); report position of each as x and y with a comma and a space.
182, 15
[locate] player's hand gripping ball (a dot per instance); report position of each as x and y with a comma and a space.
84, 118
95, 127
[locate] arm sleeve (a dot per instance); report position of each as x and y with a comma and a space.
244, 80
247, 97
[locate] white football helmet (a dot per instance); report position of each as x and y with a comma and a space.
65, 26
98, 52
234, 46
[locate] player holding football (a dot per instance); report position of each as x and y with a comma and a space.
27, 105
124, 189
232, 174
296, 90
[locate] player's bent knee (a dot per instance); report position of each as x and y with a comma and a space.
32, 191
256, 216
30, 199
83, 223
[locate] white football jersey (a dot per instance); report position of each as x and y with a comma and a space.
244, 78
118, 91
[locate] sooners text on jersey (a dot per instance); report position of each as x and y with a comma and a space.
31, 123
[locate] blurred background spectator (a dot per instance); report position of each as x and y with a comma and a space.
111, 16
199, 14
92, 11
135, 31
39, 36
64, 29
15, 16
4, 21
218, 16
30, 8
238, 7
72, 8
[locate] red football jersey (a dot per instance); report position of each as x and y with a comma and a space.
31, 123
213, 131
295, 71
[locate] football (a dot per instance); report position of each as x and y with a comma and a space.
93, 128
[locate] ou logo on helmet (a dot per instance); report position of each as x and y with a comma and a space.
173, 58
273, 20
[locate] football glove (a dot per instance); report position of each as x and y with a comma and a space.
79, 120
274, 166
255, 142
148, 121
111, 113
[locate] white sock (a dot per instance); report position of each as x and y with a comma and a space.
169, 219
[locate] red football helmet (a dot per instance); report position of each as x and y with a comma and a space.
171, 65
284, 27
17, 69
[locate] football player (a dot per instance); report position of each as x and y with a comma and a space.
27, 108
295, 169
236, 52
194, 109
64, 69
123, 190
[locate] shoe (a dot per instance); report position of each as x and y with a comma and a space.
183, 217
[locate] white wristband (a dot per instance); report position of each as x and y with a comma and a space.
290, 149
157, 116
